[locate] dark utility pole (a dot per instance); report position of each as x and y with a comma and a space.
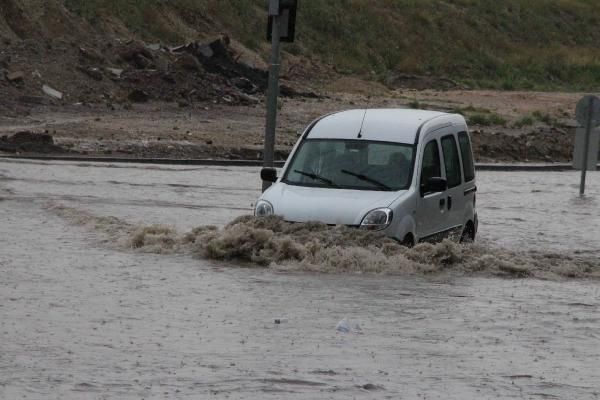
281, 28
273, 89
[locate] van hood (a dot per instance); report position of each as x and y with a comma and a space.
327, 205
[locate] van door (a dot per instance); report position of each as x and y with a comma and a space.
431, 207
455, 199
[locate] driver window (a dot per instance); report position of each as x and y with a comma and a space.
431, 166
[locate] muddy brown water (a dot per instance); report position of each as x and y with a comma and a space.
84, 317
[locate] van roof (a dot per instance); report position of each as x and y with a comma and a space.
390, 125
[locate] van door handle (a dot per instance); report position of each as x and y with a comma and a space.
449, 202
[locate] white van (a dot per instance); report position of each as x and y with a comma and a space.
408, 173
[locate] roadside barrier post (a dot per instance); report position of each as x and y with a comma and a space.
586, 141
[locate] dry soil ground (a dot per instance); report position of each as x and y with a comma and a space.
210, 129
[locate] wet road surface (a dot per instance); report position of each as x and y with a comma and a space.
82, 320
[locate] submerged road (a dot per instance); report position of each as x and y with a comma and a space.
81, 319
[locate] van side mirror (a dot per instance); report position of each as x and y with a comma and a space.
268, 174
434, 185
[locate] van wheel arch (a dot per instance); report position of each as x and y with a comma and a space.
409, 240
468, 234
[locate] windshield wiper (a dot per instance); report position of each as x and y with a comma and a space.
367, 179
316, 177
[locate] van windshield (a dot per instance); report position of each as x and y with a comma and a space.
352, 164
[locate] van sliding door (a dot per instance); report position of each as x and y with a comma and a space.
455, 199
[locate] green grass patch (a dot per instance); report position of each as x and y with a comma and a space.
490, 119
509, 45
544, 117
469, 109
523, 122
414, 104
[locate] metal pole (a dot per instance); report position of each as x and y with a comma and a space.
272, 94
586, 146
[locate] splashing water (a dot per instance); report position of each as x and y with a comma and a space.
271, 242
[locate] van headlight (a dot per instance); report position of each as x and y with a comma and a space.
263, 208
377, 220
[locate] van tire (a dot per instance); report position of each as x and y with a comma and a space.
408, 241
468, 235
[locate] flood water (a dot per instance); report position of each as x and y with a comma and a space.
82, 318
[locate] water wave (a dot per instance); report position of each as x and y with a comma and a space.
271, 242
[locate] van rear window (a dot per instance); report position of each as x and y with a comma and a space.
451, 161
467, 156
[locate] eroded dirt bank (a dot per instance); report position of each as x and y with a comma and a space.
209, 130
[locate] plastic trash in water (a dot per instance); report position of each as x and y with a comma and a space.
345, 326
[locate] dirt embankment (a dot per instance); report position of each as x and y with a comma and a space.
50, 56
236, 131
102, 91
117, 73
545, 144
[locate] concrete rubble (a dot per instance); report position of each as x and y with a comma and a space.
17, 76
52, 92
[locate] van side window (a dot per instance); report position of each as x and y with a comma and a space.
467, 156
431, 167
451, 161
